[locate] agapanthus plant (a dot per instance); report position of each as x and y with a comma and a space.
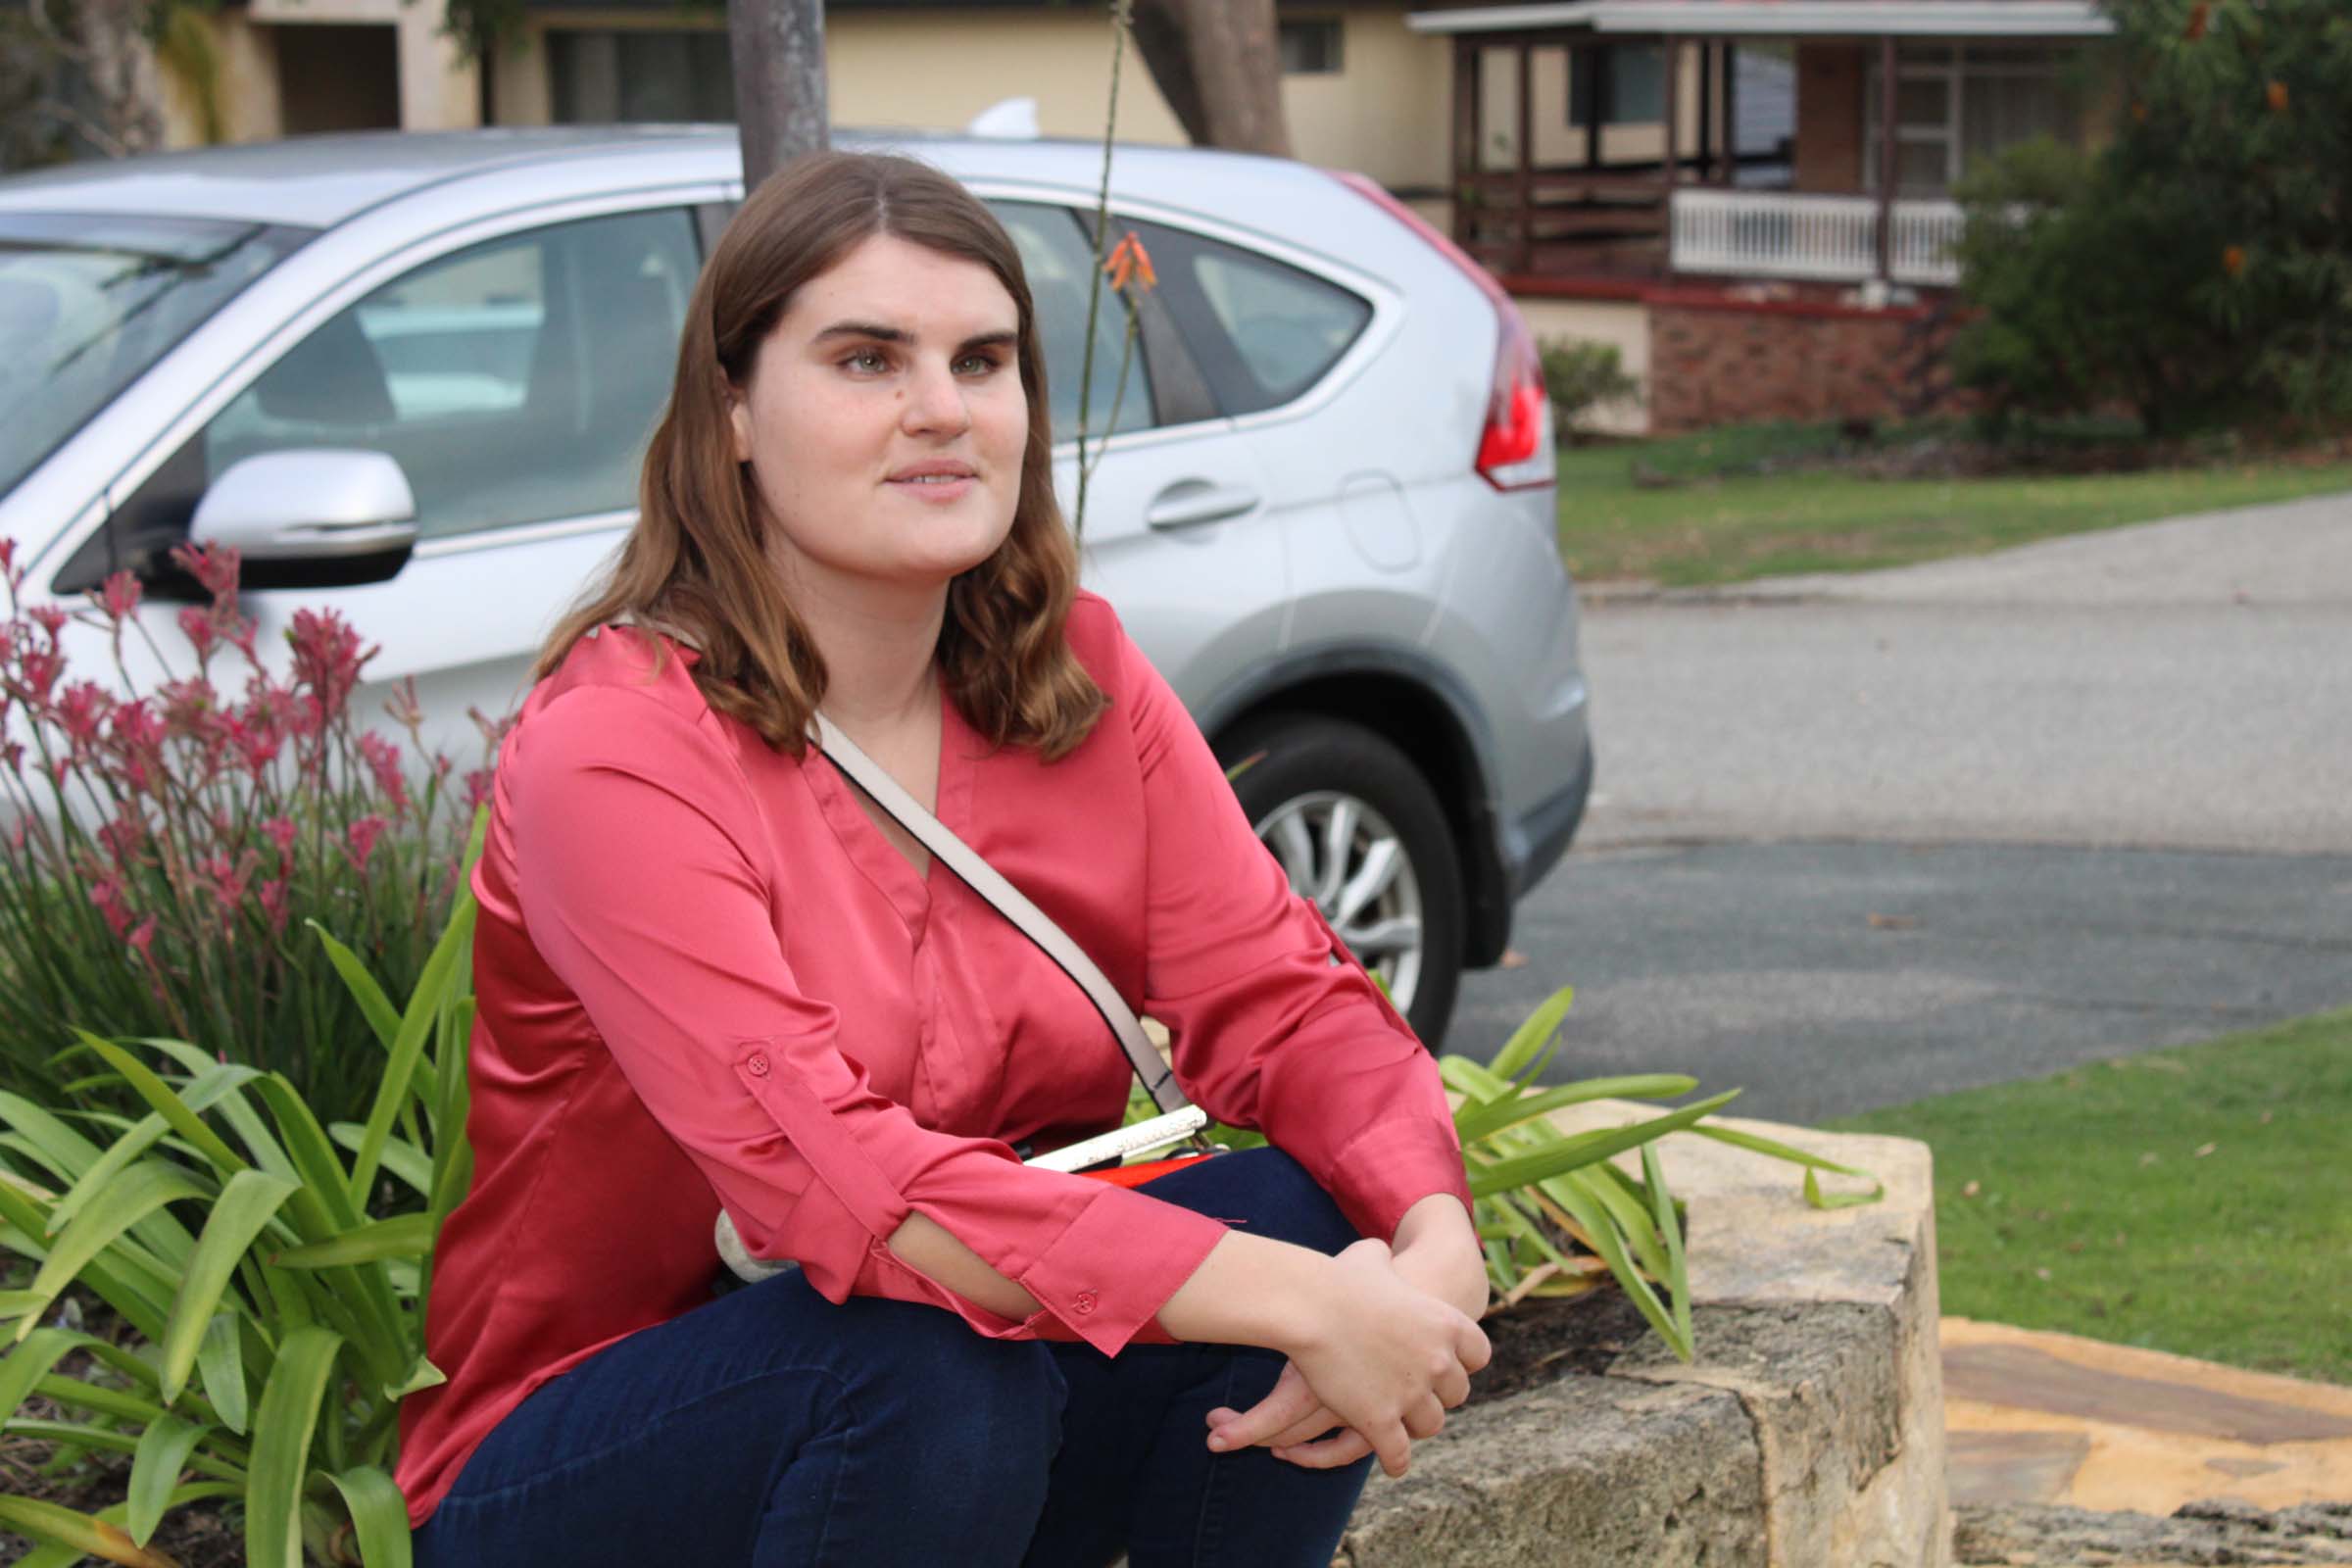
161, 848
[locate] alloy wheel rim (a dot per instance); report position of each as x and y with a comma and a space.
1339, 851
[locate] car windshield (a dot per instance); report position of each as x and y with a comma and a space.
87, 302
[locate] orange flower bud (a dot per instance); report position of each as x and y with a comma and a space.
2139, 113
2278, 97
2234, 260
1129, 263
2199, 14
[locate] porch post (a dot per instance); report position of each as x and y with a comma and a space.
1731, 112
1596, 64
1527, 158
1466, 189
1888, 162
1669, 172
1673, 48
1706, 111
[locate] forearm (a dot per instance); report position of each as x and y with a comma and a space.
929, 1247
1436, 1247
1250, 1290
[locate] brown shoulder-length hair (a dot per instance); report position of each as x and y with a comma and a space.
698, 560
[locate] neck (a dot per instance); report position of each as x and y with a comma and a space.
880, 646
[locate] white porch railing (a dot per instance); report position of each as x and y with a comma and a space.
1835, 238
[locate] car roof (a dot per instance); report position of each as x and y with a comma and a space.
320, 182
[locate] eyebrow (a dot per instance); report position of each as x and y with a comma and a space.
892, 334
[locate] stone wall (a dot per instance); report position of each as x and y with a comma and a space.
1720, 360
1807, 1432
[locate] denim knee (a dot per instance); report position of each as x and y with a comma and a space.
981, 1416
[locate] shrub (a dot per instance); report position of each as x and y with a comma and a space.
168, 846
2197, 267
1535, 1190
1583, 377
279, 1336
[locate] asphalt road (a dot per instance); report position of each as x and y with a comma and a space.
1862, 839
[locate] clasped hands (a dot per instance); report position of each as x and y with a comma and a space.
1391, 1352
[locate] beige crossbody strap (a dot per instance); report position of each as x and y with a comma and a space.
982, 878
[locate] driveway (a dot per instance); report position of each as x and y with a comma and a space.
1858, 838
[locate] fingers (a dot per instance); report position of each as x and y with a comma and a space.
1470, 1345
1345, 1448
1314, 1426
1426, 1419
1290, 1404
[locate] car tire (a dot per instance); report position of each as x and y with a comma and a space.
1303, 770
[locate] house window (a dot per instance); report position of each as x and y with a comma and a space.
1631, 82
1310, 48
1955, 105
639, 75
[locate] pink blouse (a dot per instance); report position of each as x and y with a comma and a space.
704, 977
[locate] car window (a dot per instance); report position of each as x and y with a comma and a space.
88, 302
1262, 330
514, 381
1059, 264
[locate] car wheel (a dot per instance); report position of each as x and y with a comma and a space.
1359, 831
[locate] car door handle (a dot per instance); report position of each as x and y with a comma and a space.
1189, 503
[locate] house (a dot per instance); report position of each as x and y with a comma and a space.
1707, 184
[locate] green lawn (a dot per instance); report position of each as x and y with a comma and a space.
2196, 1201
1724, 516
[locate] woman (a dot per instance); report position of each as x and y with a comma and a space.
712, 973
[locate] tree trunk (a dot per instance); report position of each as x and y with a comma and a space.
89, 70
1217, 65
779, 54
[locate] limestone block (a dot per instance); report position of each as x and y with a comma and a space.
1807, 1432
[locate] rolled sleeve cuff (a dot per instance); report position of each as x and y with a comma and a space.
1105, 1277
1391, 1165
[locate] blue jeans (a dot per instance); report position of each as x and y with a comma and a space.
769, 1427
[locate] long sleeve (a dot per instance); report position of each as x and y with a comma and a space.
1272, 1024
632, 827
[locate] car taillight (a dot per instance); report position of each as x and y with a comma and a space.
1514, 450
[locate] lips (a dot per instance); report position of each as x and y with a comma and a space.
938, 471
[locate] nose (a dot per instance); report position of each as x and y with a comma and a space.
935, 403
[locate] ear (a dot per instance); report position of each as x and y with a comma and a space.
739, 417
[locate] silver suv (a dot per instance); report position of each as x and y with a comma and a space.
412, 377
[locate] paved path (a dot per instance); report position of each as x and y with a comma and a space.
2050, 1418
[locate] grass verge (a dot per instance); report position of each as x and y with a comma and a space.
1716, 519
2190, 1200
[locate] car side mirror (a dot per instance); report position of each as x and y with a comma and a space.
320, 518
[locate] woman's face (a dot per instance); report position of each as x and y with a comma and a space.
885, 422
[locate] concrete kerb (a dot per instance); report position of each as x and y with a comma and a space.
1808, 1433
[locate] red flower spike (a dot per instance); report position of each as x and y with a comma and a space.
119, 597
361, 840
196, 626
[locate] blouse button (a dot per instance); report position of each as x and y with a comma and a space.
1085, 1301
758, 1065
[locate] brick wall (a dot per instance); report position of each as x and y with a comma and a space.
1828, 117
1722, 362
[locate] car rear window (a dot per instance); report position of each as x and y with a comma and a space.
88, 302
1262, 330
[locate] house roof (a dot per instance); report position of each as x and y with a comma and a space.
1782, 18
